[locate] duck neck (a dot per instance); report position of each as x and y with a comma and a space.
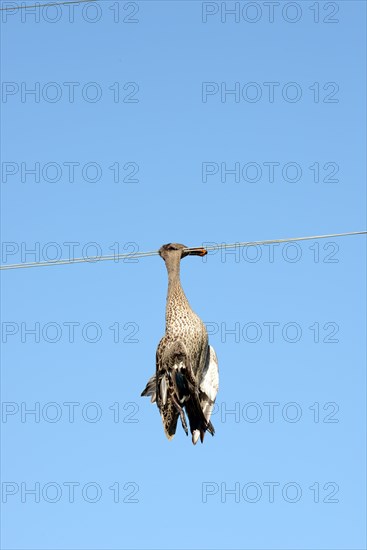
176, 299
173, 270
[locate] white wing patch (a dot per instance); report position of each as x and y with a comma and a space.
209, 384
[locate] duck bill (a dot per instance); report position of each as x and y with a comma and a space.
198, 252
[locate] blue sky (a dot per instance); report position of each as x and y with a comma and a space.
288, 328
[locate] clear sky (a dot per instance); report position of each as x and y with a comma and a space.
155, 122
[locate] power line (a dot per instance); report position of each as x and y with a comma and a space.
90, 259
292, 239
24, 7
138, 255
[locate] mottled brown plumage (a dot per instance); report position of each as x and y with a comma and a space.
186, 378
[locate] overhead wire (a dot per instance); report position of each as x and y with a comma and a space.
137, 255
291, 239
25, 7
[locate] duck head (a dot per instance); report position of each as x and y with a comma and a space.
179, 250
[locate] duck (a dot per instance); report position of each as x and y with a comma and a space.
186, 380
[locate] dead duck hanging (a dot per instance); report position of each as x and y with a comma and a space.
186, 378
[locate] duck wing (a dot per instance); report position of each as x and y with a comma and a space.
208, 389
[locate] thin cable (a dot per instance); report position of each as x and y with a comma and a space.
47, 5
90, 259
138, 255
291, 239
